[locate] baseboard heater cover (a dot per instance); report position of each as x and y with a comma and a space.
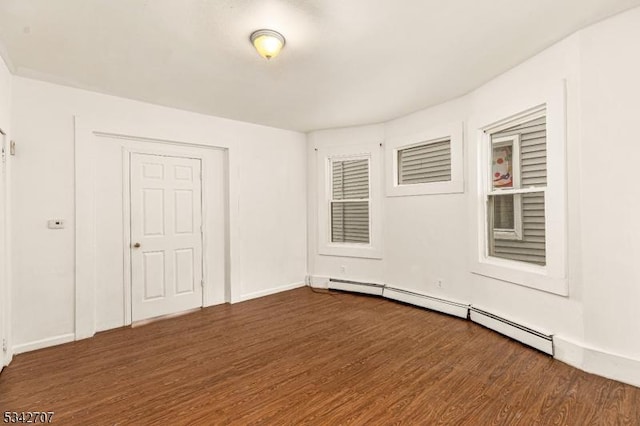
434, 303
356, 286
521, 333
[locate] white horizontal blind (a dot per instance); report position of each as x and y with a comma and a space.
533, 173
424, 163
350, 201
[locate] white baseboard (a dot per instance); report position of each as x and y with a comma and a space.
568, 352
215, 302
268, 291
44, 343
450, 307
318, 281
596, 361
536, 339
7, 358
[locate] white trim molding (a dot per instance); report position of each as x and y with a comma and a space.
551, 277
44, 343
213, 292
5, 250
269, 291
597, 361
326, 155
318, 281
451, 131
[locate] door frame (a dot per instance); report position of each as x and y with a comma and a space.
5, 345
89, 132
126, 218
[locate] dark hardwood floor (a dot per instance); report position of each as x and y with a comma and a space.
301, 357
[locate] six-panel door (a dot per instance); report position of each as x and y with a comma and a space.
166, 235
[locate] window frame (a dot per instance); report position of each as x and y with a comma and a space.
325, 158
552, 276
454, 133
331, 161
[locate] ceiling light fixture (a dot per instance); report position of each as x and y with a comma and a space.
268, 43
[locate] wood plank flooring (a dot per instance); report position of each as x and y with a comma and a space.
301, 357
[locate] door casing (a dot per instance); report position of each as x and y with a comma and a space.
198, 231
4, 285
126, 192
221, 183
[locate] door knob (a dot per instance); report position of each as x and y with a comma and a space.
136, 245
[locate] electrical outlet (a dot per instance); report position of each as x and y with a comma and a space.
440, 283
55, 224
343, 269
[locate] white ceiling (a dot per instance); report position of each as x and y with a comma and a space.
346, 62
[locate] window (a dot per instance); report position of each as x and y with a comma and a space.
349, 203
515, 207
349, 200
521, 196
505, 207
426, 163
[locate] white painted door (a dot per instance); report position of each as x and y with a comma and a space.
166, 235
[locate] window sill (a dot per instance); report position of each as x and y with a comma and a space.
350, 250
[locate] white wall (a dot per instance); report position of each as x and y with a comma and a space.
610, 203
268, 171
427, 237
368, 270
5, 123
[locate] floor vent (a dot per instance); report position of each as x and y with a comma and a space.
355, 286
434, 303
529, 337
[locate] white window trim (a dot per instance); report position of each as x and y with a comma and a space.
516, 232
452, 131
326, 156
552, 277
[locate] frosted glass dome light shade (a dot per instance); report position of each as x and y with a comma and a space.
268, 43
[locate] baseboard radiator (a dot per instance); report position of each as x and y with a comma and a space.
526, 335
434, 303
523, 334
355, 286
